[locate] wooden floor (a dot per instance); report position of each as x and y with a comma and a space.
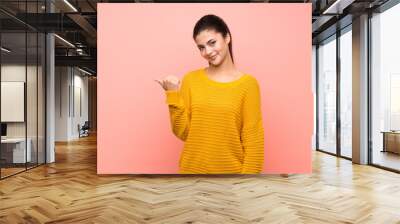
8, 171
5, 172
69, 191
387, 159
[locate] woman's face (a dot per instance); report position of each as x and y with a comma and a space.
213, 46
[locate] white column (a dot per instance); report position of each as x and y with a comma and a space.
360, 90
50, 92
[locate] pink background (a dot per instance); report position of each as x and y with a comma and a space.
140, 42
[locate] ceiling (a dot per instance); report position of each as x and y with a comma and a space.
76, 22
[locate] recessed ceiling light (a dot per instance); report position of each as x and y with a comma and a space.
64, 40
337, 7
84, 71
70, 5
5, 49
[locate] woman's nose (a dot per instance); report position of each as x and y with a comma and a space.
208, 51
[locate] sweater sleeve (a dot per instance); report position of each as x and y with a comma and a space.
179, 109
252, 133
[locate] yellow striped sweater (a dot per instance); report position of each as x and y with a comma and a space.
220, 123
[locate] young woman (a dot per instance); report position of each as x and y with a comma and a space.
217, 109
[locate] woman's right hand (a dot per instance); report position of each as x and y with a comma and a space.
169, 82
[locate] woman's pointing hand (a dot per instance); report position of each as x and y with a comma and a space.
169, 82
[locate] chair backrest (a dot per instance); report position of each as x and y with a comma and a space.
86, 125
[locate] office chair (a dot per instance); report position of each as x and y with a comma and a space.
84, 130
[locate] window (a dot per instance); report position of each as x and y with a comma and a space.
327, 95
346, 92
385, 88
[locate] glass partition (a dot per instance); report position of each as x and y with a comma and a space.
327, 95
13, 104
22, 77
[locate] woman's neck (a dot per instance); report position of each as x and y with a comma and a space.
225, 68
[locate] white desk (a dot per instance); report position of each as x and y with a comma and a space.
18, 149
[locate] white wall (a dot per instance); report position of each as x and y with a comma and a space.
15, 72
71, 93
80, 103
62, 81
9, 73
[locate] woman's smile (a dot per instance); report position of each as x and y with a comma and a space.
213, 57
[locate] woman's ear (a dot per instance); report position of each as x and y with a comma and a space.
228, 38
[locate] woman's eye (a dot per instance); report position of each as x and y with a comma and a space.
212, 43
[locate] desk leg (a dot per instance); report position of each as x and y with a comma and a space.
384, 142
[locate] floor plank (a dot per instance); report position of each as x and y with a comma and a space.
70, 191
